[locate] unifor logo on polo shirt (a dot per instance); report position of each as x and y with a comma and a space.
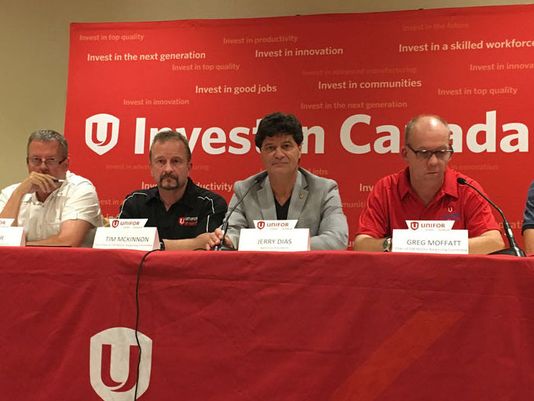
113, 363
188, 221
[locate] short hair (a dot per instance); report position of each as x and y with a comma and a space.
279, 124
48, 135
170, 135
411, 124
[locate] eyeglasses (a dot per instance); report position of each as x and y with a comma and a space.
37, 161
424, 154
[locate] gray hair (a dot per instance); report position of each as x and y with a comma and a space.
48, 135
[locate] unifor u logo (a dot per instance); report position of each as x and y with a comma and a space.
113, 363
101, 132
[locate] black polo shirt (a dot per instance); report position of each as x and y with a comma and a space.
197, 212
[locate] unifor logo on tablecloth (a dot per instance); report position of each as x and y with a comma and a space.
113, 363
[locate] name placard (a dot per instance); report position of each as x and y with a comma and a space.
12, 236
142, 239
6, 222
451, 241
252, 239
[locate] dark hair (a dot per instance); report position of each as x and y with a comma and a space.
279, 124
48, 135
169, 135
411, 124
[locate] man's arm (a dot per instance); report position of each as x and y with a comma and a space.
211, 218
34, 182
528, 236
485, 243
366, 243
374, 223
204, 241
333, 230
80, 213
71, 233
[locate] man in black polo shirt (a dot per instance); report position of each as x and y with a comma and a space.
184, 213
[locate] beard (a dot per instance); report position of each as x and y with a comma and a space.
169, 182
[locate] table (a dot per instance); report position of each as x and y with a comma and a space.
317, 326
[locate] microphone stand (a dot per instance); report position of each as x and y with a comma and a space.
259, 178
513, 248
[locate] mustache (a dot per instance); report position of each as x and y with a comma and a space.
168, 175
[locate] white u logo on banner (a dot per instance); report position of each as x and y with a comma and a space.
113, 363
105, 136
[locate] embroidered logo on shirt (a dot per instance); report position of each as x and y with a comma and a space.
188, 221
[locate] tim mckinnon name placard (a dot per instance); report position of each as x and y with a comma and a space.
142, 239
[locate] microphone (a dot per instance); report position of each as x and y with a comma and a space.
259, 178
514, 248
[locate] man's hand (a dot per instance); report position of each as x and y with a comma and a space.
204, 241
43, 184
215, 238
38, 182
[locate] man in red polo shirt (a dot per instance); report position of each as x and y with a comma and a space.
426, 190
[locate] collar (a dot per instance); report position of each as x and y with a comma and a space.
449, 187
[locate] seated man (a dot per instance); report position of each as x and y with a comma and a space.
184, 213
528, 221
426, 190
286, 191
55, 206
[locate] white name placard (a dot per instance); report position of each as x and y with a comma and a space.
6, 222
142, 239
450, 241
12, 236
252, 239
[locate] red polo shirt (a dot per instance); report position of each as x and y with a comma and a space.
393, 201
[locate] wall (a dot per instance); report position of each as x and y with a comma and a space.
34, 41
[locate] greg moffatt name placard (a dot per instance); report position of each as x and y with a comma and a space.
447, 241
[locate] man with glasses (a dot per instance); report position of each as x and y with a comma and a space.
55, 206
426, 190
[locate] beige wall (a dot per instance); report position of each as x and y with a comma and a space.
34, 41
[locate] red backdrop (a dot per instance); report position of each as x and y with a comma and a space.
354, 80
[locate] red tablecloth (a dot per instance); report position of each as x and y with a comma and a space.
315, 326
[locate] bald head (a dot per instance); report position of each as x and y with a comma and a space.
426, 124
